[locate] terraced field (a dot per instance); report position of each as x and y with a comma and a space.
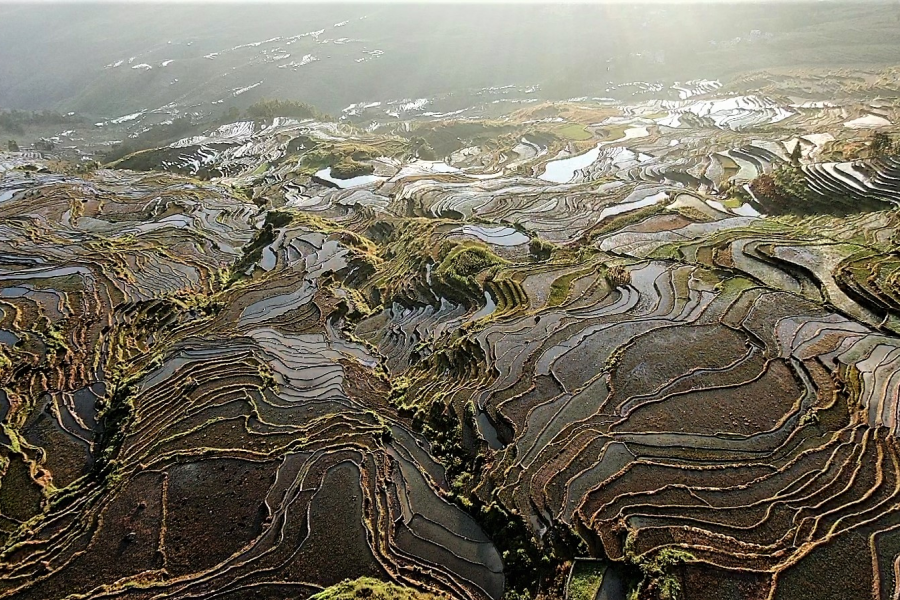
233, 374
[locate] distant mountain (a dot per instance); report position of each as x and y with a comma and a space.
110, 61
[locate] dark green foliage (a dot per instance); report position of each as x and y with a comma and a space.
43, 145
442, 427
659, 578
516, 595
540, 249
115, 418
12, 146
522, 558
791, 182
881, 145
279, 218
269, 109
231, 115
253, 251
15, 121
371, 589
795, 154
528, 563
785, 190
344, 162
422, 149
443, 138
462, 262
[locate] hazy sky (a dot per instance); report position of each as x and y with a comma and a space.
2, 2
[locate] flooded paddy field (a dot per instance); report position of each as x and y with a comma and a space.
588, 348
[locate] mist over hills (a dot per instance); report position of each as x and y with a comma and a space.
105, 61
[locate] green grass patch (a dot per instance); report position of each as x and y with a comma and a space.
735, 285
561, 286
587, 577
625, 219
371, 589
614, 132
573, 131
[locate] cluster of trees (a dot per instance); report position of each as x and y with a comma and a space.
527, 563
541, 249
785, 190
882, 145
15, 121
421, 148
785, 185
41, 145
269, 109
460, 263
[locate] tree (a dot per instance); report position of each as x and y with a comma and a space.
764, 187
785, 187
88, 166
44, 145
12, 146
540, 249
422, 149
791, 181
795, 154
880, 144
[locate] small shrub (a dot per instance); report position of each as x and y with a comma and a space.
541, 249
461, 264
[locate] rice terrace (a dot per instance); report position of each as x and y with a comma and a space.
450, 301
